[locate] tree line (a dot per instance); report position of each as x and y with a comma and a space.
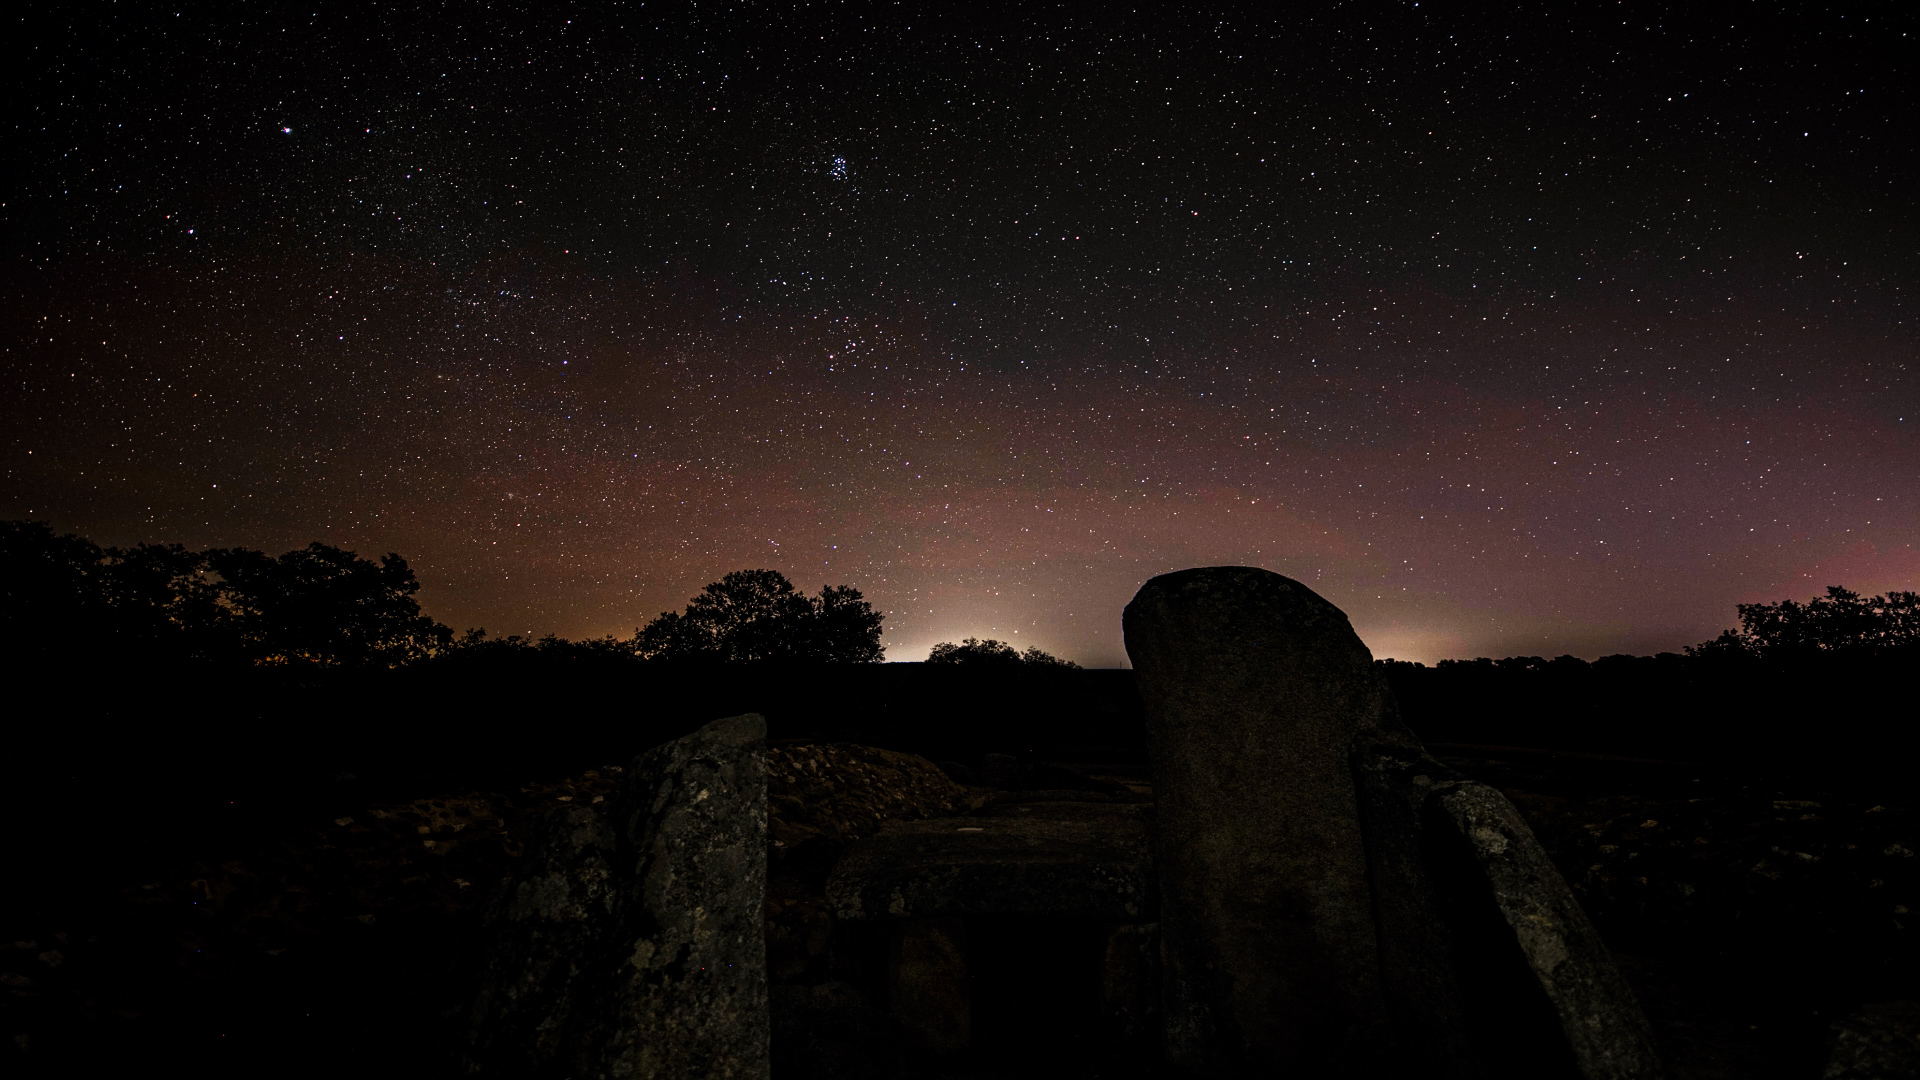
321, 607
162, 603
1839, 622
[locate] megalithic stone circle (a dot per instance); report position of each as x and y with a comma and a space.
1334, 901
635, 946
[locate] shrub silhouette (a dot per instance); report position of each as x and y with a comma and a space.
754, 615
67, 597
991, 653
324, 607
1841, 621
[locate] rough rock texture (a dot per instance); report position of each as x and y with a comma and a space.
1605, 1031
1880, 1042
1491, 967
550, 917
1254, 689
687, 996
822, 797
1095, 866
662, 970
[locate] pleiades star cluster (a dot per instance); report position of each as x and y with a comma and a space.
1523, 329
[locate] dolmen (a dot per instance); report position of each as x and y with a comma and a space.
1309, 894
1333, 901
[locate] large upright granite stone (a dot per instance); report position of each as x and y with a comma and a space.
1334, 901
662, 970
1254, 688
688, 992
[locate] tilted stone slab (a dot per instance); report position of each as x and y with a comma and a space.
1605, 1031
1096, 866
1880, 1042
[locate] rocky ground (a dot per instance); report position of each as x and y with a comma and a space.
1749, 914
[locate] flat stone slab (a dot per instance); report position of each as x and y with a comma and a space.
1070, 811
1095, 865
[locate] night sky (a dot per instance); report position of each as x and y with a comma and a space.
1540, 329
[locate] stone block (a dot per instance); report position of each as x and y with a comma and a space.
1335, 902
660, 964
545, 923
1254, 690
1606, 1034
1096, 867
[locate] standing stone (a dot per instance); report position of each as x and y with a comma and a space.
687, 995
1254, 689
1334, 901
663, 972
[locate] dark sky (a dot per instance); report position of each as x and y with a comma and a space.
1536, 329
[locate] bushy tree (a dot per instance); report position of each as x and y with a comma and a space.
325, 607
67, 597
991, 653
1841, 621
65, 594
753, 615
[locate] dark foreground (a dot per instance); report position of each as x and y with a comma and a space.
1748, 911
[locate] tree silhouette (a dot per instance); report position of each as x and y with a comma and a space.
68, 598
990, 653
325, 607
754, 615
51, 589
1841, 621
67, 595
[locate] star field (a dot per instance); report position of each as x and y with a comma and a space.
1510, 331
